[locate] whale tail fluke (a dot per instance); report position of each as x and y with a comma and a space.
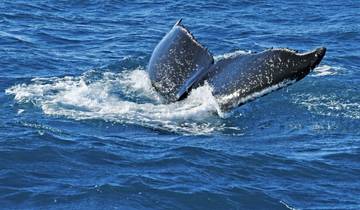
179, 63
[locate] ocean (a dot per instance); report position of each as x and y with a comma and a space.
82, 128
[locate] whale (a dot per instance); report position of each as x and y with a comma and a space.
179, 64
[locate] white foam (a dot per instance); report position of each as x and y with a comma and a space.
137, 81
324, 70
81, 98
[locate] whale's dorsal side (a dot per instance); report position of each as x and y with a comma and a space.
178, 56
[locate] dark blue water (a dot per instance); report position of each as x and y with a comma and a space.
81, 127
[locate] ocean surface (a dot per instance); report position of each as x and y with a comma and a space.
82, 128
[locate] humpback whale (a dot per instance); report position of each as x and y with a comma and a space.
179, 63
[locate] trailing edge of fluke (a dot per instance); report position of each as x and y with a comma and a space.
179, 63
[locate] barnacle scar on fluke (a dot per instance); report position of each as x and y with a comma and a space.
179, 63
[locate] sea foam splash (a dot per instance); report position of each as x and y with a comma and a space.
325, 70
125, 97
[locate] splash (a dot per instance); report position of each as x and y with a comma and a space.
125, 97
325, 70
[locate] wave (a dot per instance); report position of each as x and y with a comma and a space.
20, 38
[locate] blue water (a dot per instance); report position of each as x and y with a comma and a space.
81, 127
